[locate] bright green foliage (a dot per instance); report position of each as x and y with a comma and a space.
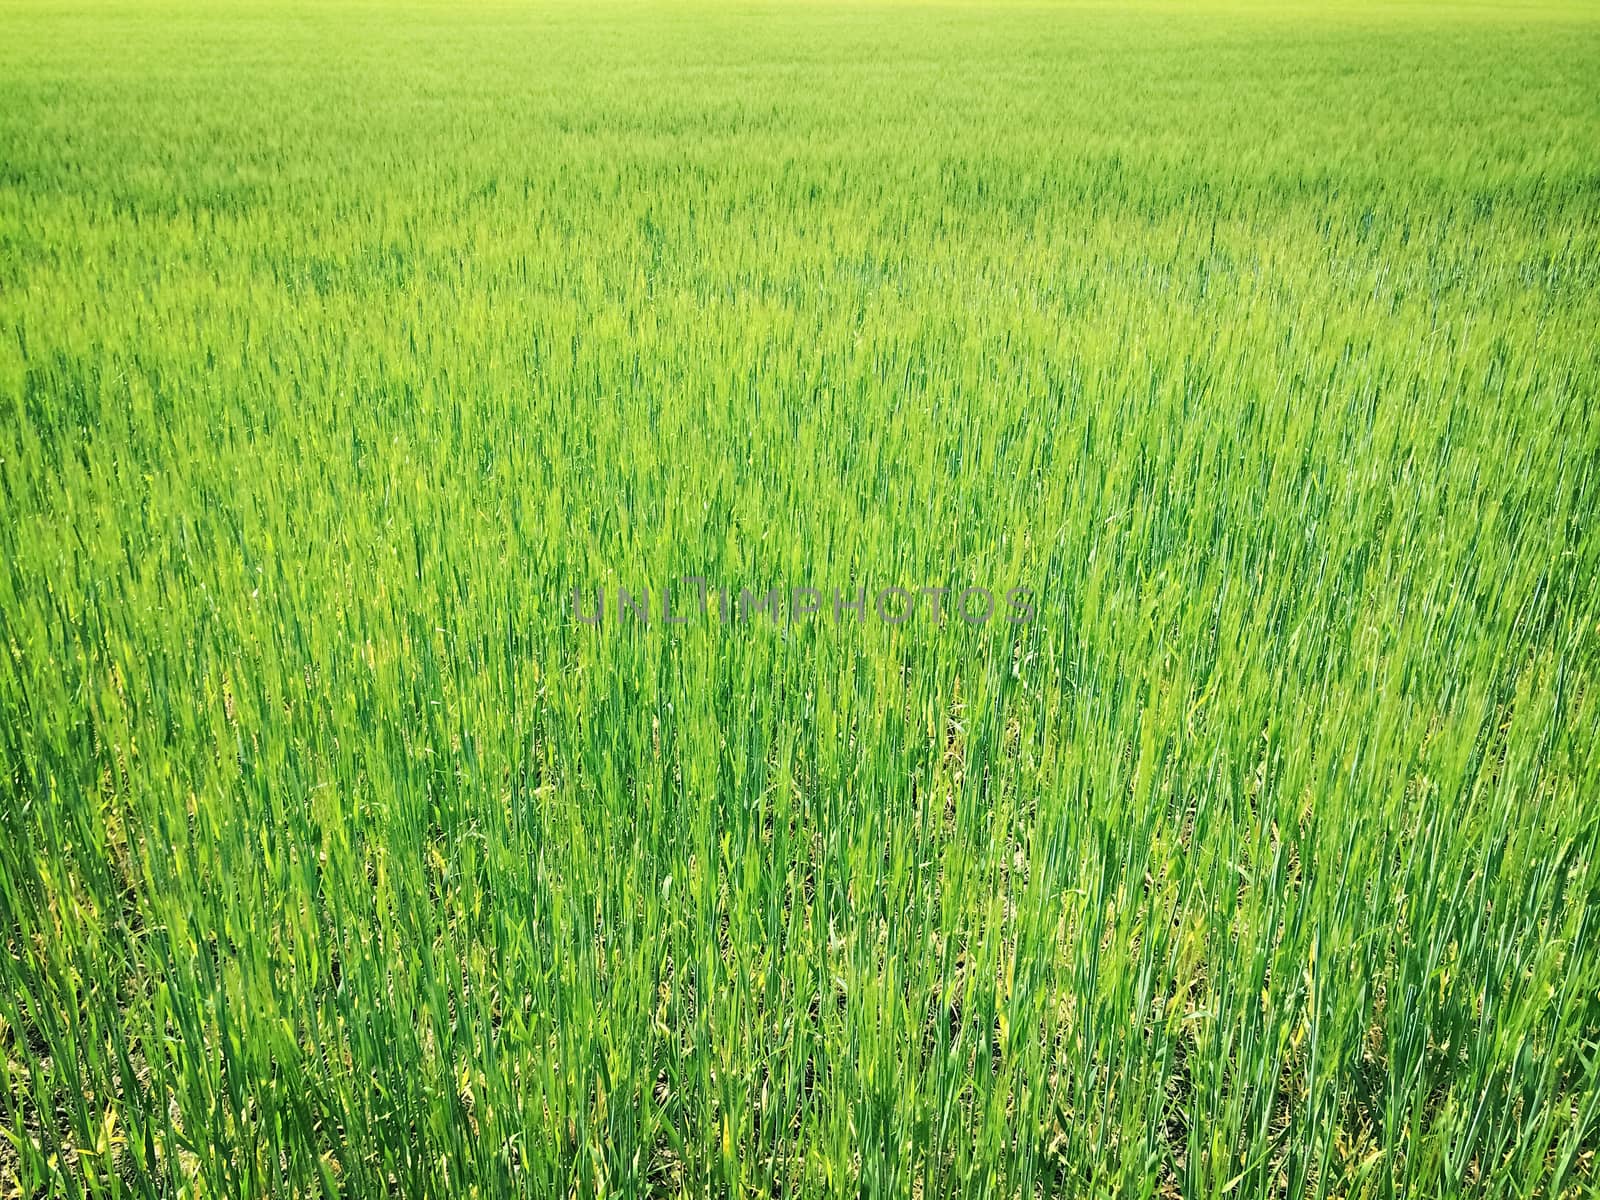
340, 342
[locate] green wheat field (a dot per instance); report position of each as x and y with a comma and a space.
351, 354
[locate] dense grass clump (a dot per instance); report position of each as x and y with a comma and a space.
342, 344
